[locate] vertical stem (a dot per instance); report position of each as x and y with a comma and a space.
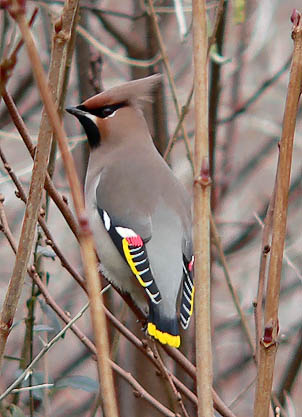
86, 241
268, 345
202, 214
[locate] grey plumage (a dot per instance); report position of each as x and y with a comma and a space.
130, 184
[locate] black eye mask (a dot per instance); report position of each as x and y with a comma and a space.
103, 112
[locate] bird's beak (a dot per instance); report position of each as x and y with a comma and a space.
76, 111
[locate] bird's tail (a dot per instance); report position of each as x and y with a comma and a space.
163, 328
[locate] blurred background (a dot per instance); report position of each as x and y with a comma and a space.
248, 78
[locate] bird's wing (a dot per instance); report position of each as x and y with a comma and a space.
132, 248
187, 299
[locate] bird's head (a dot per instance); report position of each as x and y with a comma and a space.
108, 115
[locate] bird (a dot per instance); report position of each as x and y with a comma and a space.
139, 212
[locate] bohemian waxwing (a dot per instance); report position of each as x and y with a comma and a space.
139, 212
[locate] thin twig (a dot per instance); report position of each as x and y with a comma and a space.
176, 397
268, 346
190, 369
243, 319
33, 388
141, 345
236, 400
288, 261
168, 69
184, 112
103, 49
8, 64
86, 241
117, 324
139, 390
257, 94
43, 351
265, 249
49, 186
28, 229
141, 63
50, 240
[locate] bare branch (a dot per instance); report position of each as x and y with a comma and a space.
202, 214
268, 345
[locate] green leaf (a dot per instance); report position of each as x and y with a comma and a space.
16, 411
78, 382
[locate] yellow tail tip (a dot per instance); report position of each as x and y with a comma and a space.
163, 337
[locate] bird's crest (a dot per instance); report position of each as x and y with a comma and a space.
132, 93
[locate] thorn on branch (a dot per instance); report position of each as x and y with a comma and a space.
204, 178
266, 249
271, 330
84, 225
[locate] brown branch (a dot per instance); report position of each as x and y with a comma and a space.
143, 347
265, 250
140, 345
268, 346
138, 389
50, 240
49, 186
175, 396
26, 239
86, 241
190, 369
202, 214
68, 214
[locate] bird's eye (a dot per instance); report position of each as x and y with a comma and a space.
107, 111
